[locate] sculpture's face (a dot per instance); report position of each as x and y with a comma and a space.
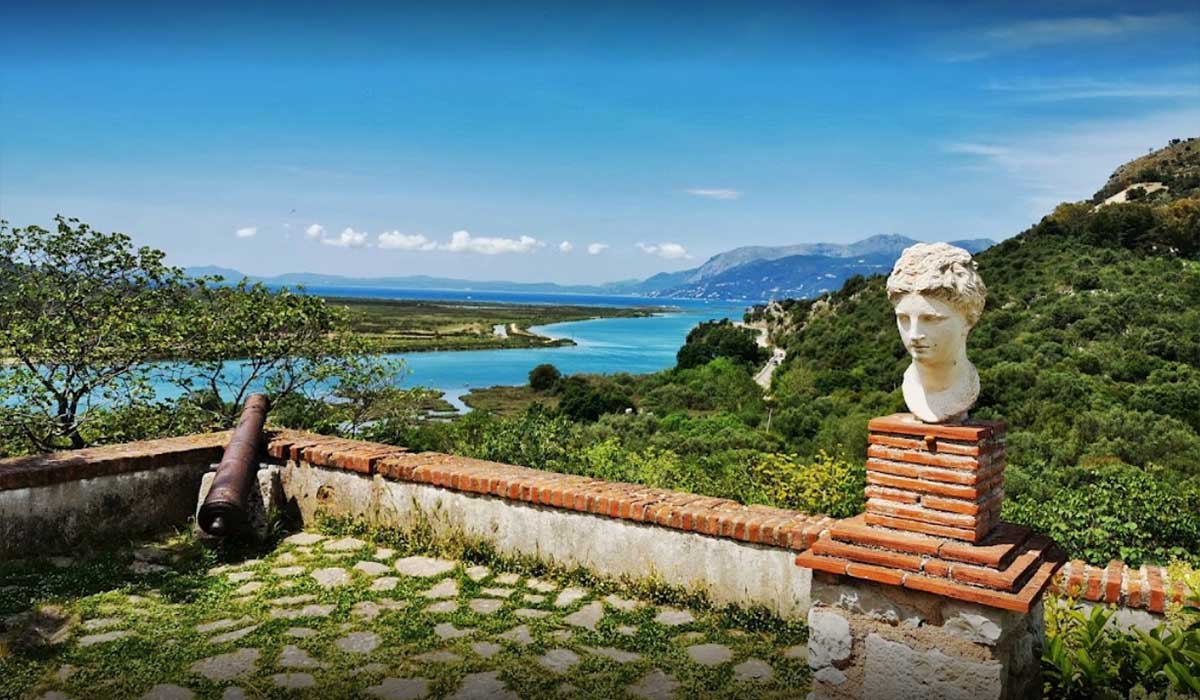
933, 331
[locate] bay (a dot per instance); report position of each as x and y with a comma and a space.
602, 346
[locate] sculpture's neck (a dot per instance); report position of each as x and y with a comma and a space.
935, 378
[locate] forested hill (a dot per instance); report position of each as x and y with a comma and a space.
1089, 348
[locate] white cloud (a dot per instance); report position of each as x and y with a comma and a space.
668, 251
715, 193
349, 238
565, 247
464, 242
247, 232
1045, 90
1069, 164
315, 231
596, 248
974, 44
394, 240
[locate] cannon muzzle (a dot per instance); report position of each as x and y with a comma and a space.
226, 509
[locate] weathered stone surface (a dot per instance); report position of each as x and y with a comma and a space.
497, 592
227, 666
294, 657
478, 573
332, 577
346, 544
250, 587
304, 539
829, 638
358, 643
366, 609
558, 660
485, 606
103, 637
306, 611
372, 568
301, 632
483, 686
486, 649
288, 571
570, 596
709, 654
294, 681
385, 583
233, 693
830, 675
374, 667
618, 655
168, 692
445, 630
534, 598
627, 630
519, 635
438, 657
144, 568
234, 635
50, 626
671, 617
890, 604
655, 685
447, 588
384, 553
443, 606
621, 603
976, 623
895, 670
753, 671
240, 576
587, 616
511, 579
531, 614
424, 567
400, 689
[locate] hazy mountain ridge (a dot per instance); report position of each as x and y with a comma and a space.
750, 272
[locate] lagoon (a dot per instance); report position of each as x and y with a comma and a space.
603, 346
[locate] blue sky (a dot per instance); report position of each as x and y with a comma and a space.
474, 140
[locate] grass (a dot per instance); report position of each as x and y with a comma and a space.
508, 401
162, 610
412, 326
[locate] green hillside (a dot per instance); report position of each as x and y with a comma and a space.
1089, 348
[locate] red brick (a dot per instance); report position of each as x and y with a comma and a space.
856, 531
879, 574
830, 565
893, 494
906, 424
1156, 595
947, 446
938, 489
933, 459
923, 528
1112, 581
881, 557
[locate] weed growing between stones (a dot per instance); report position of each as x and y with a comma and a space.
347, 611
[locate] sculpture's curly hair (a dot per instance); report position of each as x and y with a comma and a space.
942, 271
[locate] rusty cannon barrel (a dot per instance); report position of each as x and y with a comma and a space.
226, 508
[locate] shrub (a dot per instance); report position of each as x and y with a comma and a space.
544, 377
828, 485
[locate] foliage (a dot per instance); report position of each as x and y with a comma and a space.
544, 377
712, 339
582, 400
81, 314
1088, 655
828, 485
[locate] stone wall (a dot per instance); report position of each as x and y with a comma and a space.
872, 641
57, 501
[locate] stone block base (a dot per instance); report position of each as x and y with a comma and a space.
266, 501
869, 641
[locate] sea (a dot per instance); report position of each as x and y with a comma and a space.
602, 346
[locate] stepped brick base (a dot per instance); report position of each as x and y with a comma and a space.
936, 479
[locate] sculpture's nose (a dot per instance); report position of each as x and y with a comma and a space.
916, 331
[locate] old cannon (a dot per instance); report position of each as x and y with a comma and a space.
226, 509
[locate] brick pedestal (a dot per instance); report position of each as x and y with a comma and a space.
931, 536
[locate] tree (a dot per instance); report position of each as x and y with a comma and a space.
81, 314
544, 377
714, 339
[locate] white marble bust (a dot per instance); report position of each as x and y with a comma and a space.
938, 297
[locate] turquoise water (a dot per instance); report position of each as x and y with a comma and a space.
603, 346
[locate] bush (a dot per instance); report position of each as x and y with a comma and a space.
712, 339
544, 377
827, 486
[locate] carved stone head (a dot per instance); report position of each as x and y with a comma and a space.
938, 297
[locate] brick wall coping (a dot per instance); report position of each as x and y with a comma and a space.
89, 463
1148, 587
718, 517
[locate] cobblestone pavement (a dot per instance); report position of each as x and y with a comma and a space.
327, 616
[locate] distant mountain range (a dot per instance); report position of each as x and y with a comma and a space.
749, 273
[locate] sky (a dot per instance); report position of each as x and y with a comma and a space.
572, 142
